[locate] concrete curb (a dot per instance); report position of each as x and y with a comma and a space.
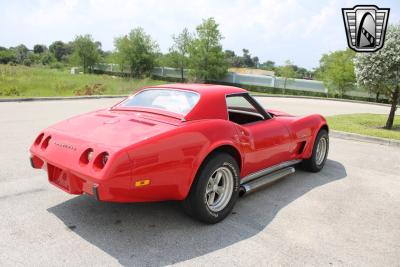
364, 138
29, 99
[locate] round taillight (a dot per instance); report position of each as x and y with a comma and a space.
100, 161
90, 155
39, 139
104, 158
46, 142
86, 156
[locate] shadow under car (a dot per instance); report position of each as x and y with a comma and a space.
157, 234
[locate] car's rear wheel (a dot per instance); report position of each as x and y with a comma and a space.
319, 154
215, 189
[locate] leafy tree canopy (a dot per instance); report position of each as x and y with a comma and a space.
380, 71
86, 51
136, 51
60, 50
337, 70
207, 61
179, 52
39, 48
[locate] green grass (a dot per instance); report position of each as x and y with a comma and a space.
365, 124
21, 81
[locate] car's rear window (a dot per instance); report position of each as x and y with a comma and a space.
176, 101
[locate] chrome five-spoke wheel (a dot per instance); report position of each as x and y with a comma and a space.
219, 189
321, 150
215, 189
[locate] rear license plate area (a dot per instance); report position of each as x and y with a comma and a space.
58, 177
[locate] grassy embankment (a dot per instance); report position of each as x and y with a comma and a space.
365, 124
20, 81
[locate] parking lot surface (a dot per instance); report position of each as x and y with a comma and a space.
348, 214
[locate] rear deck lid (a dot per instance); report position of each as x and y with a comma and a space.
116, 128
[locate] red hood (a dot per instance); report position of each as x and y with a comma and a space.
115, 128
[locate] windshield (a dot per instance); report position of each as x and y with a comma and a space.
176, 101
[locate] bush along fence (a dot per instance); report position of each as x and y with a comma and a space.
259, 83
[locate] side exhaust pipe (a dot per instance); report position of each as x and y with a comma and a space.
253, 185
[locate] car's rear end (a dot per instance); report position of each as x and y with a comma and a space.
78, 166
87, 153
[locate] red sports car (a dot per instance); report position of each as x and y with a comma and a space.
202, 144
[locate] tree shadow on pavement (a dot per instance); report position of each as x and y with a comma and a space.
153, 234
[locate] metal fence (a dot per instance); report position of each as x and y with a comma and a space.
234, 78
246, 79
253, 79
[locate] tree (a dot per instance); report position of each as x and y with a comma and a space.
32, 59
241, 61
337, 70
7, 56
165, 60
60, 50
268, 65
21, 53
374, 84
232, 59
247, 60
179, 51
207, 60
287, 72
380, 71
229, 56
301, 73
47, 58
137, 51
39, 48
256, 62
86, 52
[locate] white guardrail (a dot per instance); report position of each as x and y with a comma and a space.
246, 79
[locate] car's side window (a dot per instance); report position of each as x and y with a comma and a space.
241, 111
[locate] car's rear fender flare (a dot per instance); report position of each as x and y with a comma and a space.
222, 146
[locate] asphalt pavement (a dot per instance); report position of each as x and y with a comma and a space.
348, 214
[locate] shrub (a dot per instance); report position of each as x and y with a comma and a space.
94, 89
7, 56
47, 58
56, 65
27, 62
34, 58
13, 91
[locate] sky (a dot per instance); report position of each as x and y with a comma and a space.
296, 30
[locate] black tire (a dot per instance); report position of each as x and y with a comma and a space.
311, 164
196, 205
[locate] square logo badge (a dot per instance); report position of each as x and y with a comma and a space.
365, 27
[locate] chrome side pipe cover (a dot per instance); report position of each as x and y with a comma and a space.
253, 185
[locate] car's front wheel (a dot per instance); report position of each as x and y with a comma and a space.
215, 189
319, 153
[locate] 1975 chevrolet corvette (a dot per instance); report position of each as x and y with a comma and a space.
202, 144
